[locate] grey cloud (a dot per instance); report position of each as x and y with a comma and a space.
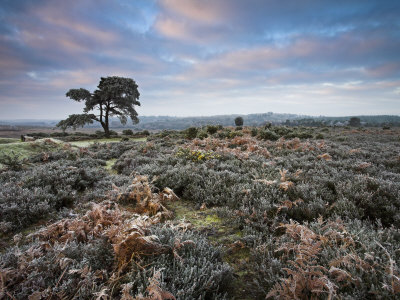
187, 53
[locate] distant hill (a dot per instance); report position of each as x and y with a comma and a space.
178, 123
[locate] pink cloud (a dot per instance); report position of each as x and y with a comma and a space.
206, 11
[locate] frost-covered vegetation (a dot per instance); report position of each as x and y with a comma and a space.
206, 213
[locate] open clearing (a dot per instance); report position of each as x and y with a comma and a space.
87, 143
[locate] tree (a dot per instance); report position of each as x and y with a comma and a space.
239, 121
355, 122
115, 96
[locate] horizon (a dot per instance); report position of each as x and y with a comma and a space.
202, 59
220, 115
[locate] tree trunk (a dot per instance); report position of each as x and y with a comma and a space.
106, 126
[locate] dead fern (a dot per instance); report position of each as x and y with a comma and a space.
325, 156
306, 279
142, 199
155, 292
287, 204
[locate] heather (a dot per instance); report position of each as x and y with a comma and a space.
206, 213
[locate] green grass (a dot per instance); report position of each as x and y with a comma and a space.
8, 141
87, 143
109, 164
27, 149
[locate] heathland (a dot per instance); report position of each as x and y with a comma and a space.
205, 213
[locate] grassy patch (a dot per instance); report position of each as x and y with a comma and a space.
186, 211
109, 165
102, 141
8, 141
26, 149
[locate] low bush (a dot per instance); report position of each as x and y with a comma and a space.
12, 161
266, 134
254, 131
211, 129
296, 217
202, 135
127, 132
28, 196
191, 132
39, 134
107, 252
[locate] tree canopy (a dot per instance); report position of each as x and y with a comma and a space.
115, 96
239, 121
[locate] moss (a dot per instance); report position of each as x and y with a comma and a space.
212, 219
200, 219
109, 164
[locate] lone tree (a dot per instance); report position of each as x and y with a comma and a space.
239, 121
115, 96
355, 122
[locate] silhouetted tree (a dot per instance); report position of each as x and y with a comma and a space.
239, 121
115, 96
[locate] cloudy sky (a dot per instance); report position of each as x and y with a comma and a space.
203, 57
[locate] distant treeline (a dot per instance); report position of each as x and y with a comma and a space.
179, 123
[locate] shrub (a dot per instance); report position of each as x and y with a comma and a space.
305, 219
254, 132
145, 132
12, 161
113, 133
127, 132
191, 132
39, 134
196, 155
234, 134
224, 134
80, 258
266, 134
30, 195
299, 134
202, 135
344, 259
211, 129
200, 273
99, 133
282, 130
58, 134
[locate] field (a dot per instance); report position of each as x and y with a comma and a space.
204, 213
7, 131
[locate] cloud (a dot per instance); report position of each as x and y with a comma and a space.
203, 57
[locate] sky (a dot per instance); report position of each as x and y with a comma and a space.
203, 57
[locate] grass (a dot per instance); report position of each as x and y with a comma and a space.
24, 150
27, 149
87, 143
8, 141
109, 165
14, 147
